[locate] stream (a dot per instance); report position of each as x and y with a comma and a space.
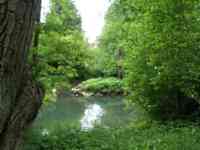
85, 112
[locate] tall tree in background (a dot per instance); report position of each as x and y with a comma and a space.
62, 50
20, 95
112, 41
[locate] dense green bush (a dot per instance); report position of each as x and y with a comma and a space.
142, 136
102, 85
161, 45
95, 63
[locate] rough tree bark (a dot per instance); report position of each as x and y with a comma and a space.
20, 96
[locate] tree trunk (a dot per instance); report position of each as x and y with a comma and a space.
20, 96
120, 71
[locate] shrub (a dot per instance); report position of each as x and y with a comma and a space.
171, 136
102, 85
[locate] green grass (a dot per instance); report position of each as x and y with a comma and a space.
140, 136
102, 85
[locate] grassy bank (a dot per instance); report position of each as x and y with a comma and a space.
140, 136
101, 86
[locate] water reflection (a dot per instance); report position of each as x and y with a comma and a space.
92, 115
85, 112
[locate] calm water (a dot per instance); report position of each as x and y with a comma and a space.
86, 112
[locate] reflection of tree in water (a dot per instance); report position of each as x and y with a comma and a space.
65, 109
84, 112
117, 115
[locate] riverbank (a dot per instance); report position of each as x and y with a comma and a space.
99, 87
52, 130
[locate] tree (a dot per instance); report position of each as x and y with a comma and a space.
62, 50
160, 41
113, 39
20, 95
163, 69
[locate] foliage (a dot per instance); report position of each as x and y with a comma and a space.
109, 85
62, 50
95, 62
146, 136
161, 44
112, 40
